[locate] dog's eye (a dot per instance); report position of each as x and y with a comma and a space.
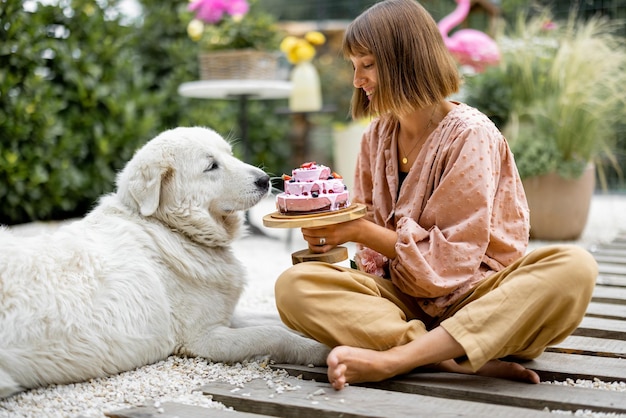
212, 166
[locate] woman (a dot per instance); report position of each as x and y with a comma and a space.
443, 277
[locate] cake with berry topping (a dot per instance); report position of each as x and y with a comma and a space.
312, 188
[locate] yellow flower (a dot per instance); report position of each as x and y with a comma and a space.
288, 44
195, 28
315, 37
292, 56
304, 51
301, 49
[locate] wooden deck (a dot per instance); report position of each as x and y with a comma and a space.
596, 350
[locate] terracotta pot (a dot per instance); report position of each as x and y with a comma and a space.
559, 207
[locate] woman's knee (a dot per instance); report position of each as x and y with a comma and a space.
287, 287
582, 267
295, 287
576, 273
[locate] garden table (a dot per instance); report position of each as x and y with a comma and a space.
241, 90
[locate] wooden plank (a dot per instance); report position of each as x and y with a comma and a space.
504, 392
307, 398
559, 366
488, 390
611, 280
178, 410
591, 346
616, 258
607, 294
607, 252
616, 269
614, 245
606, 310
602, 328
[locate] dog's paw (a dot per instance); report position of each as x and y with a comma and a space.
305, 351
318, 354
262, 359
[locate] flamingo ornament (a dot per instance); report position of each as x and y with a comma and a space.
470, 47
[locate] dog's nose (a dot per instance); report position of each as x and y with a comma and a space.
263, 182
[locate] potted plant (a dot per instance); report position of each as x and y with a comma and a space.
235, 40
558, 95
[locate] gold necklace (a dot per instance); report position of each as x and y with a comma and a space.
405, 159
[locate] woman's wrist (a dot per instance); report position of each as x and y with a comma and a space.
376, 237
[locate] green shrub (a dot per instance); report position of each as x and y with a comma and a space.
81, 90
73, 107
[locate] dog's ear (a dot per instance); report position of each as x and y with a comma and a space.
145, 188
140, 185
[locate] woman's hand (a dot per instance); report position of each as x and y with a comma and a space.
325, 238
362, 231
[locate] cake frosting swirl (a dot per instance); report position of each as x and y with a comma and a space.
312, 188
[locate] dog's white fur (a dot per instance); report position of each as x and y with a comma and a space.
146, 274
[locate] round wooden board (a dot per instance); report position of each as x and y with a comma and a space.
335, 255
278, 220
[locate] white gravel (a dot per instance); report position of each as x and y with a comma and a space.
173, 380
177, 379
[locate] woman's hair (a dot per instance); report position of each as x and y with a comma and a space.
413, 65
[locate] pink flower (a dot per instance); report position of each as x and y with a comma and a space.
212, 11
237, 7
371, 262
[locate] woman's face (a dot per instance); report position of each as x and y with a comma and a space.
364, 73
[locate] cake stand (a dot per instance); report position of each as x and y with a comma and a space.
315, 220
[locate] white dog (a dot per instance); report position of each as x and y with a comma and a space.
148, 273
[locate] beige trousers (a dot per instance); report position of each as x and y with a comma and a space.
535, 302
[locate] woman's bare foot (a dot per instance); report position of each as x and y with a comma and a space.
493, 368
356, 365
508, 370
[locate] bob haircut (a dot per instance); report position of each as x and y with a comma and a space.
414, 68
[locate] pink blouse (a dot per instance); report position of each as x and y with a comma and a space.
461, 213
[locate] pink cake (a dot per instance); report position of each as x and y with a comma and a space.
312, 188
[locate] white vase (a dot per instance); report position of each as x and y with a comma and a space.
346, 146
306, 92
